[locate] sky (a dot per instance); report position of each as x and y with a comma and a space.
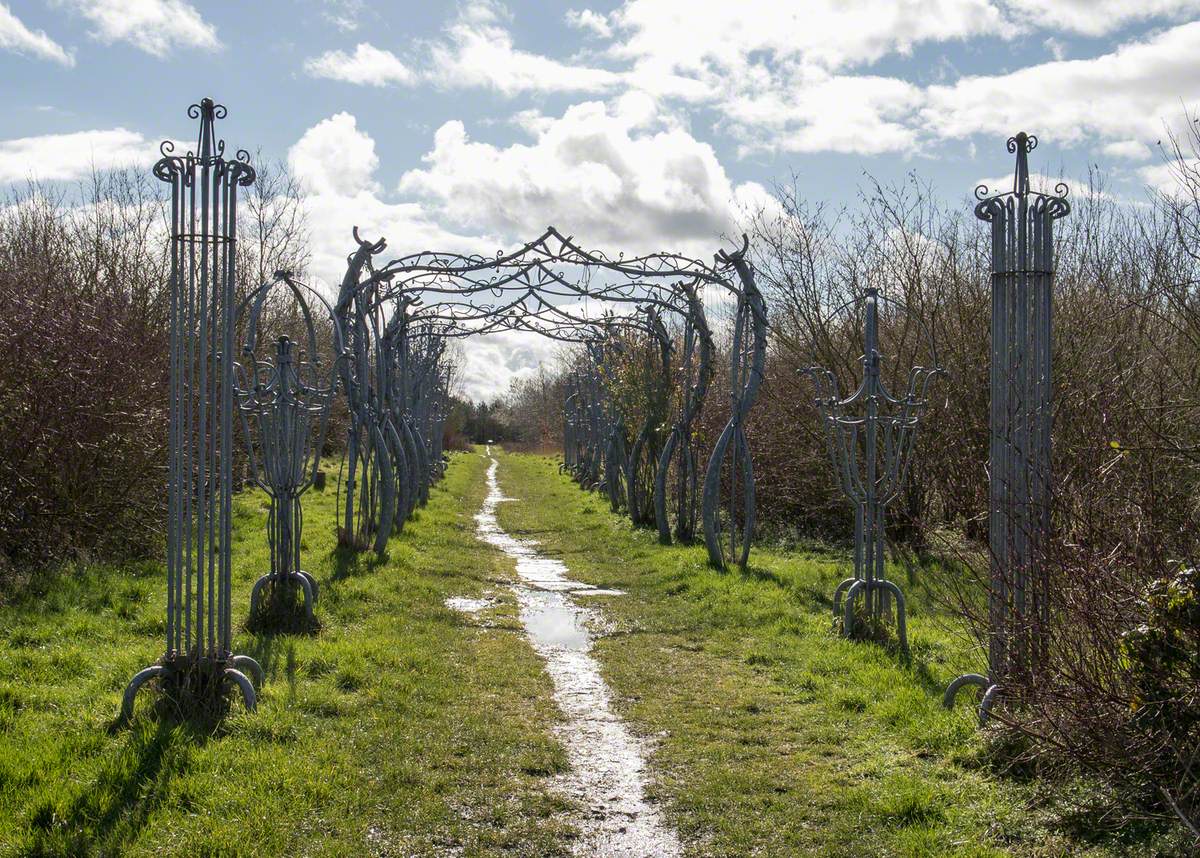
637, 125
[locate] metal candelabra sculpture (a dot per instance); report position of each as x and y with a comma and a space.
284, 405
1021, 415
198, 665
869, 436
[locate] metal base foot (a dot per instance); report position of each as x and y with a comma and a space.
853, 588
170, 667
990, 691
302, 579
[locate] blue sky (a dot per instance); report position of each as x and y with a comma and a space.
635, 125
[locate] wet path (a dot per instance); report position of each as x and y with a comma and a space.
608, 764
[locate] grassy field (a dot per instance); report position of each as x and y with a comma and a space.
772, 735
400, 729
404, 728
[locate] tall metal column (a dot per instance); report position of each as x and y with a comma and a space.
1020, 426
198, 664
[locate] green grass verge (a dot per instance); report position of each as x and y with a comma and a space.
771, 735
401, 729
404, 728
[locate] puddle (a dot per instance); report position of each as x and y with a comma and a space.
467, 606
608, 766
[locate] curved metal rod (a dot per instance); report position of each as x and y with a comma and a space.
246, 664
139, 679
303, 579
249, 698
862, 587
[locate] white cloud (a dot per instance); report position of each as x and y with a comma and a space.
1172, 176
819, 112
606, 173
16, 37
65, 157
1097, 17
153, 26
788, 78
334, 157
1123, 95
476, 51
674, 36
335, 162
1129, 150
492, 361
367, 65
589, 21
782, 73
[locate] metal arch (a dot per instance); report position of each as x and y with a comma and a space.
728, 538
534, 288
1021, 415
203, 238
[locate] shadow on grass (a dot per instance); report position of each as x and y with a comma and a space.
270, 650
350, 562
108, 814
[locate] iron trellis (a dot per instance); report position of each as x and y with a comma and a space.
537, 288
1021, 414
198, 664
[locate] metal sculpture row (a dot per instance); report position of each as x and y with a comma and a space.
390, 328
1021, 413
653, 473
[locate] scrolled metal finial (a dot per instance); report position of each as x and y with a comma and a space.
982, 192
724, 257
1021, 140
1022, 144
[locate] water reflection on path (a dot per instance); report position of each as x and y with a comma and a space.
607, 762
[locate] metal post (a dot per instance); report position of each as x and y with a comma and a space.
1020, 427
198, 666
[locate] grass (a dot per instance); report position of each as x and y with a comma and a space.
771, 735
404, 728
400, 729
